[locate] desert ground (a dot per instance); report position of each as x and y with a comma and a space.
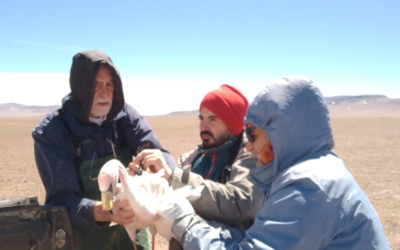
370, 147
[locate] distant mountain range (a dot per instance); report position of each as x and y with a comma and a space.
184, 113
347, 106
339, 106
20, 110
363, 106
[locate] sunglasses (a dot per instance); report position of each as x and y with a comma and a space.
248, 131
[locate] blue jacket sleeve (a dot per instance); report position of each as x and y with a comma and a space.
292, 218
142, 132
55, 162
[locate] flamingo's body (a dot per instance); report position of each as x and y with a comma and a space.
145, 194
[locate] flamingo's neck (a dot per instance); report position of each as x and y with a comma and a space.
123, 174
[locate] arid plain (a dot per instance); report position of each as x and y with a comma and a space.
370, 147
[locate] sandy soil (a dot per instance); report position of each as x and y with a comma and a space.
370, 147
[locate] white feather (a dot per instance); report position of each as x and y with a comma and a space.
145, 194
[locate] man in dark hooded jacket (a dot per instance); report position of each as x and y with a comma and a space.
93, 126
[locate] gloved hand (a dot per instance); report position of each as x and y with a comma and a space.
178, 214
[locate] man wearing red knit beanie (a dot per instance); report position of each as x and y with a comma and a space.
220, 163
221, 115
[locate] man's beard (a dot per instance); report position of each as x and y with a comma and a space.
100, 111
216, 141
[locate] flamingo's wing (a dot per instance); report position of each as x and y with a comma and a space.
161, 227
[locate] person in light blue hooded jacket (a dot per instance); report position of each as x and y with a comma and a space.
312, 201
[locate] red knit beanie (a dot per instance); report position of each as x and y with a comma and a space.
229, 105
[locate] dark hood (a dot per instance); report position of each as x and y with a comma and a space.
85, 66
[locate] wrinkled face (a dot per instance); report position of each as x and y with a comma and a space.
103, 93
257, 140
213, 131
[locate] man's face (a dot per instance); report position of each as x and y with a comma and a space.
213, 131
103, 93
257, 140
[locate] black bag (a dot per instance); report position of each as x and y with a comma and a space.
24, 224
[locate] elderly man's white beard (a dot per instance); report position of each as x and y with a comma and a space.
96, 113
100, 99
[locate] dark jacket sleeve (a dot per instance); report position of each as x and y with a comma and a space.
54, 156
141, 132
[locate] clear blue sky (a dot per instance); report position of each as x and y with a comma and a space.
346, 47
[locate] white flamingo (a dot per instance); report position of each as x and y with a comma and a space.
145, 194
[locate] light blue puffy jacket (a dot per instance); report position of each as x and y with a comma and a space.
312, 200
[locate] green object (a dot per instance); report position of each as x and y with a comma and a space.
107, 238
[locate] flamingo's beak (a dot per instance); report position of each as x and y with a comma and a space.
107, 200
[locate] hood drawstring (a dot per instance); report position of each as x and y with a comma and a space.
214, 162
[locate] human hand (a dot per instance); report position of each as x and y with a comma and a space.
120, 213
132, 168
151, 160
